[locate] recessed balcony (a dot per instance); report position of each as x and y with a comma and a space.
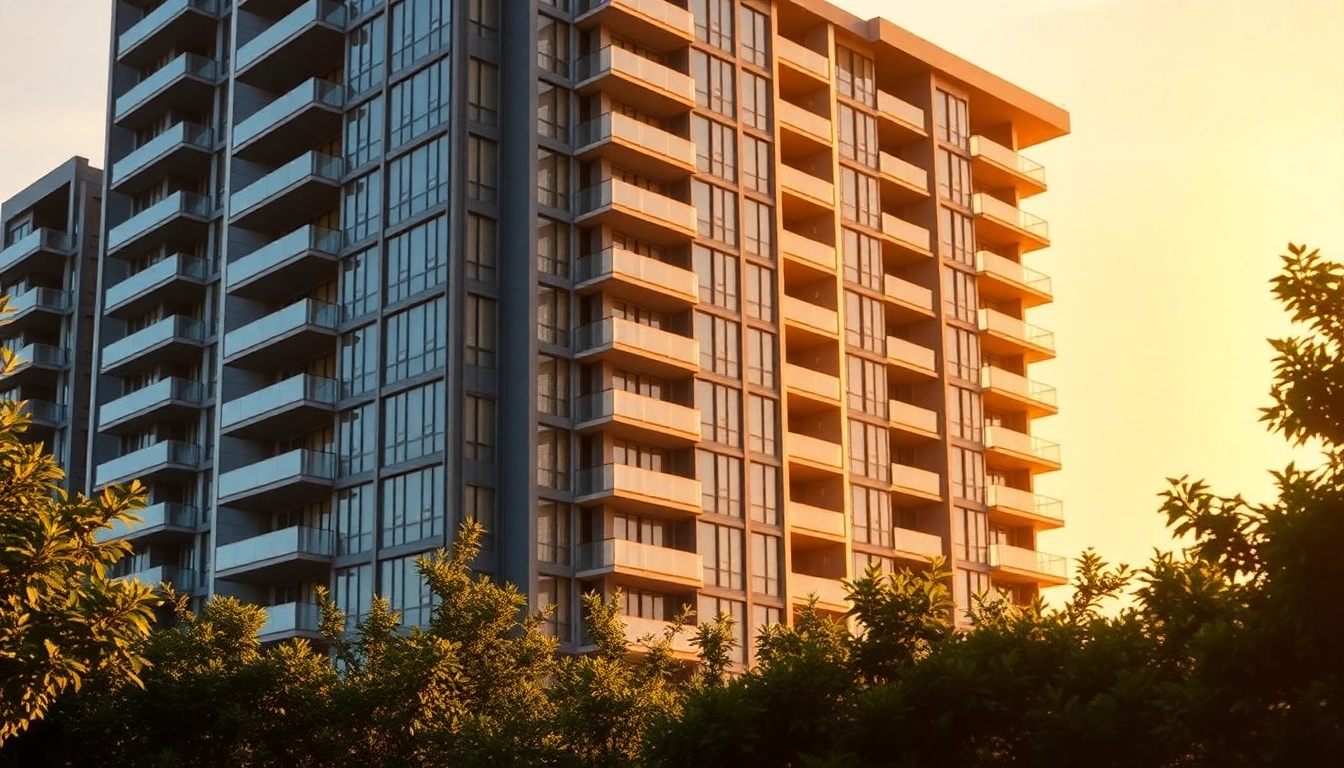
174, 338
802, 60
640, 147
998, 167
998, 222
291, 620
178, 279
304, 116
639, 212
633, 79
166, 400
629, 415
637, 347
35, 363
181, 579
1008, 391
811, 319
288, 480
916, 545
42, 251
1005, 279
811, 455
1014, 506
1020, 565
658, 24
805, 195
1010, 449
179, 217
902, 182
812, 385
185, 85
296, 192
158, 522
637, 489
34, 307
815, 522
912, 419
286, 555
915, 483
306, 257
911, 357
802, 125
182, 23
899, 121
806, 252
641, 564
830, 593
182, 151
1007, 335
641, 279
902, 233
301, 331
309, 41
288, 407
167, 460
906, 298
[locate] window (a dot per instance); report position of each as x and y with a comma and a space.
364, 133
552, 316
553, 386
355, 509
963, 354
553, 458
755, 36
960, 289
478, 504
417, 259
359, 366
553, 532
416, 340
720, 479
865, 323
954, 177
365, 56
713, 83
720, 413
761, 358
956, 235
359, 284
419, 103
854, 77
860, 198
758, 234
552, 111
763, 480
964, 413
867, 382
872, 516
858, 136
553, 45
720, 348
482, 92
406, 591
760, 293
417, 181
362, 207
716, 210
715, 148
721, 549
708, 608
552, 247
419, 28
863, 259
639, 603
968, 475
481, 332
352, 592
763, 420
765, 564
413, 423
552, 179
757, 162
970, 534
483, 18
482, 169
755, 101
969, 585
952, 120
714, 23
869, 451
482, 247
356, 440
479, 426
413, 506
717, 272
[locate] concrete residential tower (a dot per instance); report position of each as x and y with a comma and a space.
711, 304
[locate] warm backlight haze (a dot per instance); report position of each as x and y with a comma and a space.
1206, 134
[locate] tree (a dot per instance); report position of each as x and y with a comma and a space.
63, 618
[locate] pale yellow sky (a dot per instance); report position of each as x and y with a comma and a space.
1207, 133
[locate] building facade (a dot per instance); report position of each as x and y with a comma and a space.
713, 305
49, 235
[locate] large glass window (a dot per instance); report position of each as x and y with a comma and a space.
715, 148
959, 288
482, 247
867, 382
720, 413
419, 103
414, 423
858, 136
362, 207
965, 414
872, 516
419, 28
720, 479
765, 564
480, 331
863, 259
869, 451
762, 360
760, 293
416, 340
714, 83
758, 160
716, 212
763, 420
359, 364
417, 259
553, 111
758, 229
865, 323
721, 550
359, 284
860, 198
365, 56
364, 127
755, 36
417, 181
355, 509
482, 169
717, 272
406, 591
479, 428
356, 440
714, 23
413, 506
553, 45
720, 346
763, 481
854, 76
755, 101
952, 119
968, 475
956, 235
482, 92
954, 177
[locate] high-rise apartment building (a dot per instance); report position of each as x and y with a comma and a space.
712, 304
48, 269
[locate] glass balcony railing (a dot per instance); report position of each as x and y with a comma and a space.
155, 517
639, 202
38, 355
890, 107
280, 324
180, 135
176, 204
175, 328
1009, 499
618, 263
150, 398
1018, 385
308, 165
186, 65
312, 92
649, 139
140, 464
656, 77
802, 58
630, 407
294, 466
1010, 215
38, 241
1007, 158
182, 579
280, 397
160, 273
639, 339
37, 299
994, 321
156, 19
619, 555
288, 619
1028, 561
805, 249
1021, 443
286, 543
920, 481
990, 263
288, 248
43, 412
659, 13
275, 36
623, 479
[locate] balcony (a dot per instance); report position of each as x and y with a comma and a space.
830, 593
42, 251
1016, 564
1001, 223
291, 406
815, 522
34, 307
182, 579
296, 192
309, 41
1002, 278
167, 460
35, 363
45, 415
807, 252
290, 620
628, 344
813, 385
911, 237
304, 116
1014, 506
185, 85
1005, 390
301, 331
178, 279
638, 490
184, 23
802, 60
799, 124
289, 554
638, 628
911, 357
166, 400
812, 453
640, 147
916, 545
916, 483
902, 182
899, 119
637, 417
288, 480
182, 151
174, 338
912, 419
998, 167
1011, 449
639, 212
158, 522
179, 217
811, 319
641, 279
906, 297
642, 564
294, 262
805, 195
632, 79
656, 23
1007, 335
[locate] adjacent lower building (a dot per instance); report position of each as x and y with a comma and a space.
48, 268
713, 305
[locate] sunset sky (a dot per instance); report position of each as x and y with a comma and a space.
1206, 135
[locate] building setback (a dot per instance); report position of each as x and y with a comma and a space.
48, 268
714, 306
